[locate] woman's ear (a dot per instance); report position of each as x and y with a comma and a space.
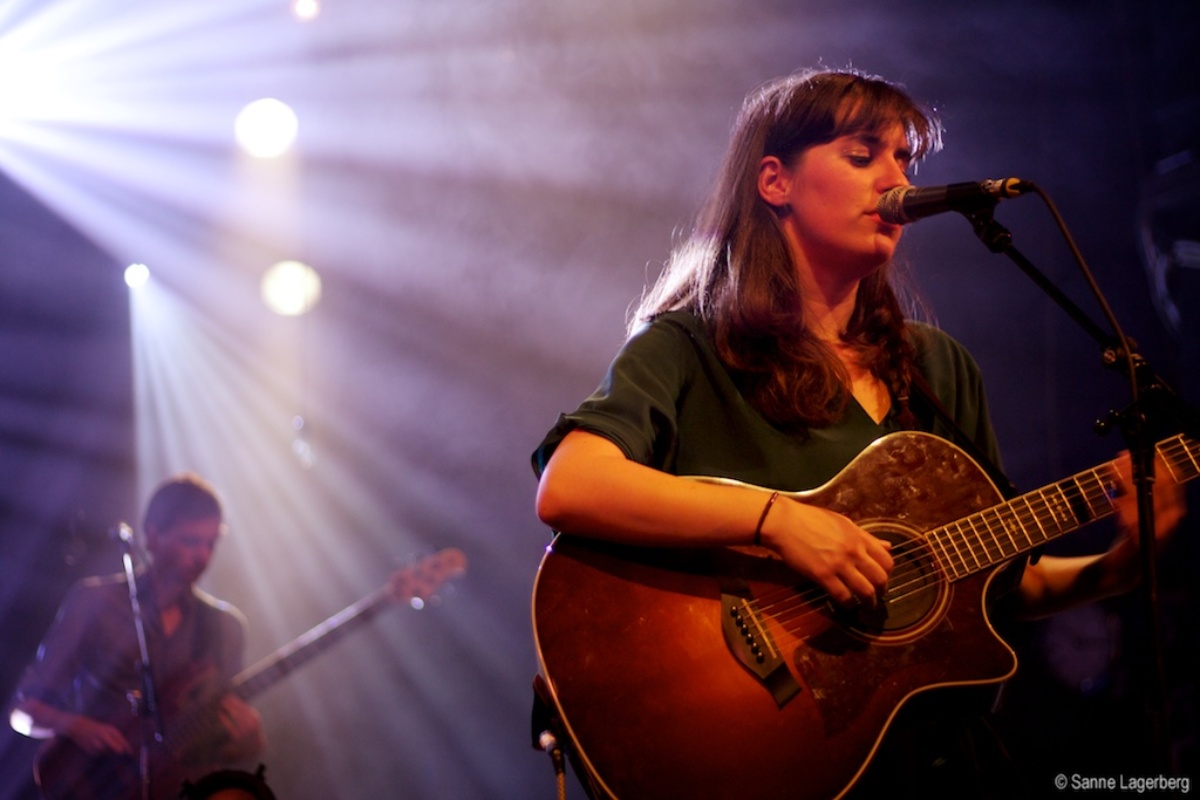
774, 182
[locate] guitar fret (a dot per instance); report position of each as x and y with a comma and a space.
1180, 459
992, 543
1015, 519
1059, 506
1076, 499
960, 566
992, 540
1171, 465
1037, 513
1033, 514
1099, 492
990, 536
1008, 516
980, 528
958, 552
971, 521
1190, 453
936, 538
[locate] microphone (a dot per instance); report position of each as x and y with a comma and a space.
906, 204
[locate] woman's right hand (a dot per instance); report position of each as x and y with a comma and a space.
590, 488
829, 549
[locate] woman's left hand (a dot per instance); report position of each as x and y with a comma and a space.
1169, 510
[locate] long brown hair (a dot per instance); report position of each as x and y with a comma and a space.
735, 270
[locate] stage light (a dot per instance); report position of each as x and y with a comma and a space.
32, 88
266, 128
306, 9
136, 275
291, 288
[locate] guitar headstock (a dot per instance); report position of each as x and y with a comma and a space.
420, 581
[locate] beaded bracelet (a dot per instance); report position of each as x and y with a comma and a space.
763, 518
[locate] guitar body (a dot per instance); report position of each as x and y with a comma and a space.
64, 771
72, 774
659, 695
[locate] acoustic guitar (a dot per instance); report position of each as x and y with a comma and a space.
720, 673
63, 771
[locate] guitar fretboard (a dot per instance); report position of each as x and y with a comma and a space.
316, 640
997, 534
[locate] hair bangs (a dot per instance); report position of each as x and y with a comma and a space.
873, 105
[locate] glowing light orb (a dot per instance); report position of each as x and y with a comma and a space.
266, 128
306, 9
291, 288
136, 275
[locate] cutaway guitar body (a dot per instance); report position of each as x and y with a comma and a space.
719, 673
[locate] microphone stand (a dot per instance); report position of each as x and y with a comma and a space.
1149, 394
152, 726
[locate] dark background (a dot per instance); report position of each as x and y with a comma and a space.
485, 188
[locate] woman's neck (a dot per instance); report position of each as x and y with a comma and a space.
826, 316
828, 307
829, 300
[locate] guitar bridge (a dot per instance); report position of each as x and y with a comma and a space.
752, 645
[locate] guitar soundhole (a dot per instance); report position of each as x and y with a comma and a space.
912, 590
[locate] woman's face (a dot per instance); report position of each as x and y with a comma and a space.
833, 191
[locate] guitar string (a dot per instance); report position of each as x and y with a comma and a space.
914, 575
1095, 488
814, 599
1096, 493
901, 580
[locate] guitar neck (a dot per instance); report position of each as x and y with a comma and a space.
995, 535
277, 666
418, 582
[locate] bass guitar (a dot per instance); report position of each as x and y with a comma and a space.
63, 771
720, 673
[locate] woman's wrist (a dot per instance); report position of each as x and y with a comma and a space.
762, 518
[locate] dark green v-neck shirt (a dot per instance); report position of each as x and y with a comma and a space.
667, 401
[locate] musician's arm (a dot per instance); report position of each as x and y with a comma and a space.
1056, 584
39, 708
39, 720
590, 488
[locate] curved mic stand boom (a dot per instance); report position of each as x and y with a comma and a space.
1152, 401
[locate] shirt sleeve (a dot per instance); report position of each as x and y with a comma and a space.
635, 405
49, 677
